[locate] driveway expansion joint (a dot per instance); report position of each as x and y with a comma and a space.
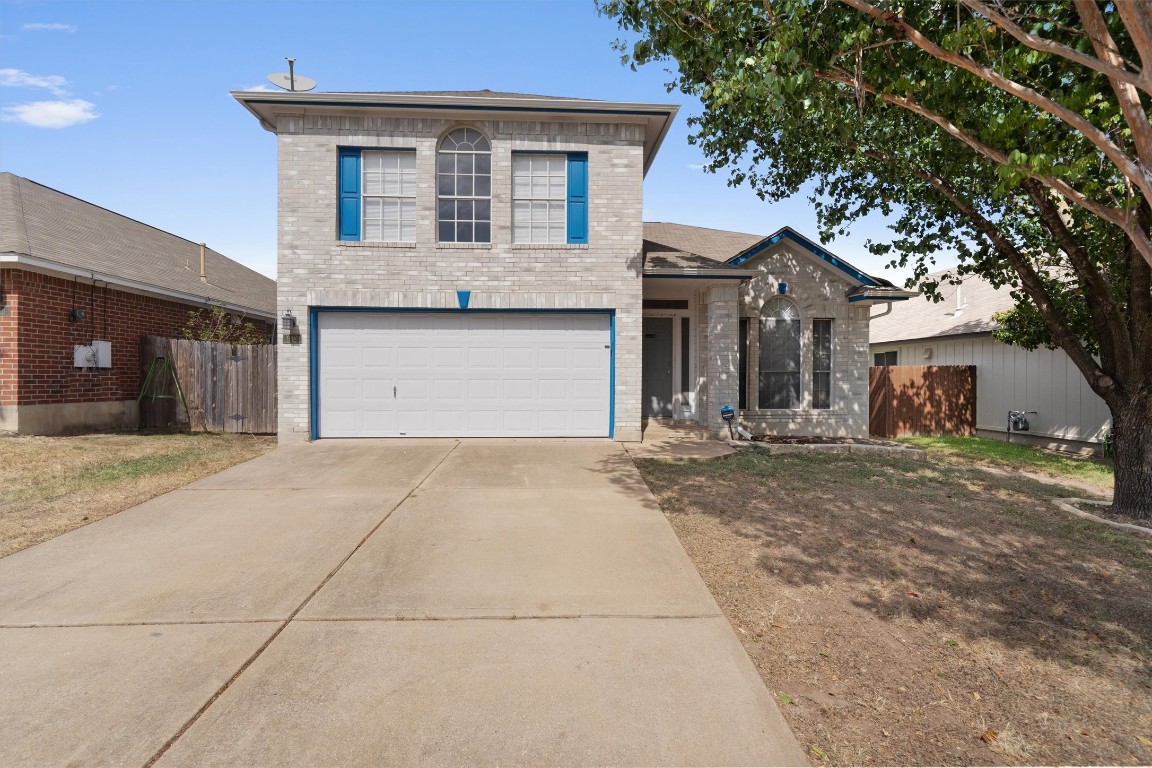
264, 646
518, 617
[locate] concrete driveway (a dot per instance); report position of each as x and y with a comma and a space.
381, 603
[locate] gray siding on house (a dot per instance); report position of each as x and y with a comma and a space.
317, 269
1012, 378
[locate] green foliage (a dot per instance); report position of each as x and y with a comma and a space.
777, 114
216, 325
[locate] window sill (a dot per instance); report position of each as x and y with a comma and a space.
463, 246
550, 246
370, 244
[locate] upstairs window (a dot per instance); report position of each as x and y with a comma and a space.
539, 198
550, 198
464, 188
389, 196
377, 195
779, 355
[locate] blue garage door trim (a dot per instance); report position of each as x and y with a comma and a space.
314, 349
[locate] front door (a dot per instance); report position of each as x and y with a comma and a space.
657, 388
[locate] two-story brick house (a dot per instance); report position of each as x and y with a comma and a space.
475, 264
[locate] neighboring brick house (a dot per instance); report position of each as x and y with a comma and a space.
79, 286
473, 263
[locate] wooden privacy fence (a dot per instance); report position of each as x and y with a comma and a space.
922, 400
228, 387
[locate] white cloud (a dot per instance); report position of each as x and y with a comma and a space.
698, 166
18, 78
51, 114
259, 87
54, 27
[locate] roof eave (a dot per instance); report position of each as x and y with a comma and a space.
47, 265
703, 274
657, 117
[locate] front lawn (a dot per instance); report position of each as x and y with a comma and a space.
925, 613
50, 485
1080, 470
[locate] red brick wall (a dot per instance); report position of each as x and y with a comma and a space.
47, 337
9, 360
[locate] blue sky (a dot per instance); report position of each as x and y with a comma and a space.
126, 105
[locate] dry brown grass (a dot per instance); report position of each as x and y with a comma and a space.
927, 613
51, 485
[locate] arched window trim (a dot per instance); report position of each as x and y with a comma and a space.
464, 186
779, 373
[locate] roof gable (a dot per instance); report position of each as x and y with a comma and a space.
831, 260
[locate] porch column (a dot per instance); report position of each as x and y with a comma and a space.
721, 355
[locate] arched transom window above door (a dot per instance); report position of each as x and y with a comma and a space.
464, 188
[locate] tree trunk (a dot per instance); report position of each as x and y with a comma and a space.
1132, 444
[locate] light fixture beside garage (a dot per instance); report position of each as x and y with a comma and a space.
290, 328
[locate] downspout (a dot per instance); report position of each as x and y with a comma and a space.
203, 264
887, 304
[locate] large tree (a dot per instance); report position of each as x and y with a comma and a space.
1014, 135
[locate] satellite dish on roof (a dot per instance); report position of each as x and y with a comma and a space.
290, 81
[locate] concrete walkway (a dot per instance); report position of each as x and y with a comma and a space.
381, 603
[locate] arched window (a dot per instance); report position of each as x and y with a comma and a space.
779, 354
464, 187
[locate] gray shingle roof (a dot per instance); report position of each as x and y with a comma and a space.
714, 244
919, 318
657, 256
46, 224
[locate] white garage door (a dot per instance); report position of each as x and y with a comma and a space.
390, 374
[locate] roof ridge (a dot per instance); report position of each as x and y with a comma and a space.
710, 229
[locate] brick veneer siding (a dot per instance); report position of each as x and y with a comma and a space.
818, 292
37, 339
316, 269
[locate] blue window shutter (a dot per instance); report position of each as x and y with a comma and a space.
578, 197
349, 193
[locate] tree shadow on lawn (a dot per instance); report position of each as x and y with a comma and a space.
985, 556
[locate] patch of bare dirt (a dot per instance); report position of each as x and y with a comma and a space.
52, 485
909, 613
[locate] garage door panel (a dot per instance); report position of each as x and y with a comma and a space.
464, 374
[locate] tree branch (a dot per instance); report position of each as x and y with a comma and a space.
1130, 167
1127, 96
1118, 216
1137, 18
1110, 69
1100, 381
1115, 343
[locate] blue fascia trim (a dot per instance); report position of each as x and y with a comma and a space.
696, 277
313, 374
458, 107
314, 347
612, 376
877, 298
811, 248
448, 310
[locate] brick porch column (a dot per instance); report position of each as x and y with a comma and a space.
721, 355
